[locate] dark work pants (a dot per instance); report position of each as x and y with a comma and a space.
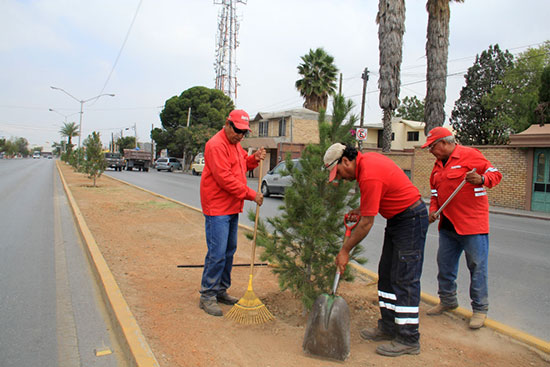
399, 273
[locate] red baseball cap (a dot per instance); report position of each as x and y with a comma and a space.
435, 134
240, 119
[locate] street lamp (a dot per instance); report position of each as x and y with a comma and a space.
59, 113
81, 101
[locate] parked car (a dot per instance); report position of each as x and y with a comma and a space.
168, 164
197, 166
274, 182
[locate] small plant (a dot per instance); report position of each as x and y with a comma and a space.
94, 164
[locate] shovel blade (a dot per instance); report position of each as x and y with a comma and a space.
327, 331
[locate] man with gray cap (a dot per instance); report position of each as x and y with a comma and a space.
385, 189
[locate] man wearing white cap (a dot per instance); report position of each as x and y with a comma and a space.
385, 189
223, 192
464, 222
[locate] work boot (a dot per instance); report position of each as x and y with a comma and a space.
396, 349
226, 299
210, 306
477, 320
439, 309
375, 334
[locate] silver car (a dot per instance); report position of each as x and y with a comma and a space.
274, 182
168, 164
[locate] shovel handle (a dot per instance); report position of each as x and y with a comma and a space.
335, 284
349, 228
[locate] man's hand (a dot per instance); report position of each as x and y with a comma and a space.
260, 154
473, 177
342, 260
354, 215
432, 217
259, 199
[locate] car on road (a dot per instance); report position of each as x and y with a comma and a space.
115, 161
274, 182
197, 166
36, 155
168, 164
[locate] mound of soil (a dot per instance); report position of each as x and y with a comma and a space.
144, 238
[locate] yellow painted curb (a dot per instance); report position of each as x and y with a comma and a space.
137, 351
518, 335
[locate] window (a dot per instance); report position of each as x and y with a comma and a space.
264, 128
412, 136
282, 127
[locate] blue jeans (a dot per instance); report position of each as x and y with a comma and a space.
399, 273
221, 239
476, 248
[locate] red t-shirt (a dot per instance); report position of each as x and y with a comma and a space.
385, 188
223, 181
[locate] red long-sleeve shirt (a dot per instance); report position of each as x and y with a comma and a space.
223, 183
469, 209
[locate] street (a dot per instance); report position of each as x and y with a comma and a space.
519, 260
51, 312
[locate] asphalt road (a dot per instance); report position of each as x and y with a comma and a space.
519, 260
51, 313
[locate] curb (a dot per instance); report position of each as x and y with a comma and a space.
427, 298
518, 335
132, 340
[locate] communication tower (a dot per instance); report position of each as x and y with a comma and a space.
226, 48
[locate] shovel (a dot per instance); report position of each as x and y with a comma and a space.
327, 330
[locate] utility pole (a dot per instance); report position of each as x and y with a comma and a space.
340, 87
365, 77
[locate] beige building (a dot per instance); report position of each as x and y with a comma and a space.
406, 134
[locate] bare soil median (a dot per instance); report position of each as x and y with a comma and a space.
144, 238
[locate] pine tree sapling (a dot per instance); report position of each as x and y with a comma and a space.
95, 163
305, 239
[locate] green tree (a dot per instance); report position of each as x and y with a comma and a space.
472, 120
391, 26
516, 98
126, 142
69, 130
76, 159
411, 109
307, 235
437, 46
95, 162
542, 111
319, 75
209, 110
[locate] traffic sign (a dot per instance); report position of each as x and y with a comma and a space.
361, 133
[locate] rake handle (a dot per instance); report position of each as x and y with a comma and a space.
459, 187
256, 221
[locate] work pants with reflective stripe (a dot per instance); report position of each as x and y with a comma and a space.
399, 273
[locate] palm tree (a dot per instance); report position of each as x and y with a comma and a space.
391, 26
319, 75
437, 46
69, 130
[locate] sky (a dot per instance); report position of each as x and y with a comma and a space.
146, 52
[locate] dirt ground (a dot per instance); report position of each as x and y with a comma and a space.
144, 238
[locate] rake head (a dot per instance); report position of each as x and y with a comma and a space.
249, 309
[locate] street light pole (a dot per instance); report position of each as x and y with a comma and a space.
81, 106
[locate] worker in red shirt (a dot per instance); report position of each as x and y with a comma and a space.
464, 222
385, 189
223, 190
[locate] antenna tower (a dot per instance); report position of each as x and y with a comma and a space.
226, 48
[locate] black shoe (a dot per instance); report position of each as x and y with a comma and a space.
396, 349
226, 299
375, 334
210, 306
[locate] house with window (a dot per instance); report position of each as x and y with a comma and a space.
406, 134
282, 133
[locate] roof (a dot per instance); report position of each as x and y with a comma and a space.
303, 113
534, 136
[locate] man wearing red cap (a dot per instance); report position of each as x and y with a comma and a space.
464, 222
223, 191
385, 189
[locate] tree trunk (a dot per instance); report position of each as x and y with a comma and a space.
386, 136
437, 46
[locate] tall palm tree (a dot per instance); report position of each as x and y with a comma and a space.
319, 75
69, 130
391, 27
437, 46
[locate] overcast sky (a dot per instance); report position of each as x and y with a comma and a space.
74, 45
